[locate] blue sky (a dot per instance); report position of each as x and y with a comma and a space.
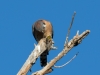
17, 42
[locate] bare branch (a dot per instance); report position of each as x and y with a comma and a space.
39, 49
74, 42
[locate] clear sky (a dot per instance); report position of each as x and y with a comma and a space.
17, 41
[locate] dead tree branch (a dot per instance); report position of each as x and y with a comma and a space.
73, 42
39, 49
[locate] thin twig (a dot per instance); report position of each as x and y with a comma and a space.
68, 33
67, 62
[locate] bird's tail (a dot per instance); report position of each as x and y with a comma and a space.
43, 58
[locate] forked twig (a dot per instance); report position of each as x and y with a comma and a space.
66, 42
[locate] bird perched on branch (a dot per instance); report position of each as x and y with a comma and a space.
42, 29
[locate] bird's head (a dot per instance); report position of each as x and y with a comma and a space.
40, 26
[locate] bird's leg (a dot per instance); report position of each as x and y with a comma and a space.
52, 46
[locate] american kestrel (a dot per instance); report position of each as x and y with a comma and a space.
42, 29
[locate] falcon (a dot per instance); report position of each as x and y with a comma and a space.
42, 29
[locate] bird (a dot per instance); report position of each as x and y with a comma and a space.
42, 29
